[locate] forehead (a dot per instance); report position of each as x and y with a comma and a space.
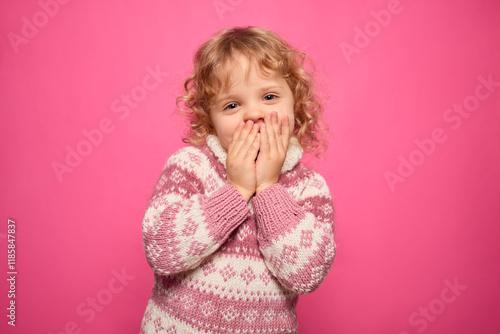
240, 67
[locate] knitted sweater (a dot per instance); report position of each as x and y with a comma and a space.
222, 265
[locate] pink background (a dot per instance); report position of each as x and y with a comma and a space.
400, 244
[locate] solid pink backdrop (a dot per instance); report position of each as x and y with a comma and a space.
412, 165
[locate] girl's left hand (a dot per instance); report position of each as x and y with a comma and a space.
274, 139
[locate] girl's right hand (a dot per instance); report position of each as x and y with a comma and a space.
241, 154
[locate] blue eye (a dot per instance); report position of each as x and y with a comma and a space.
229, 105
270, 95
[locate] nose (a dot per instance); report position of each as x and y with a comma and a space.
255, 114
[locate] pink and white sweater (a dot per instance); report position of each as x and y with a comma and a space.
222, 265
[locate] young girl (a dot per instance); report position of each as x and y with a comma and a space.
237, 227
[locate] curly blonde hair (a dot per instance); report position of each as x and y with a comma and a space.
271, 53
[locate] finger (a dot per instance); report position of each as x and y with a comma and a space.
249, 142
271, 135
236, 135
254, 148
276, 124
285, 131
264, 139
240, 140
245, 140
277, 132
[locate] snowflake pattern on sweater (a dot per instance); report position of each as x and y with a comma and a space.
222, 265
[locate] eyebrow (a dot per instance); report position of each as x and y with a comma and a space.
262, 90
270, 88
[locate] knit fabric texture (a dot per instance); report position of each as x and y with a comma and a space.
222, 265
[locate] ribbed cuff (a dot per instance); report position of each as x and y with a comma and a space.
225, 209
276, 211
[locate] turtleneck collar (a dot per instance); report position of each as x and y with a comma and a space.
293, 153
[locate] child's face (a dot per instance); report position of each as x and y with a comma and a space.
250, 99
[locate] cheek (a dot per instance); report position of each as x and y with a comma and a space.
226, 133
291, 119
230, 128
291, 115
292, 123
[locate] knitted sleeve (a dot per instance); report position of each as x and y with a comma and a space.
296, 234
183, 224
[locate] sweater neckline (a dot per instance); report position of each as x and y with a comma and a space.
293, 153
